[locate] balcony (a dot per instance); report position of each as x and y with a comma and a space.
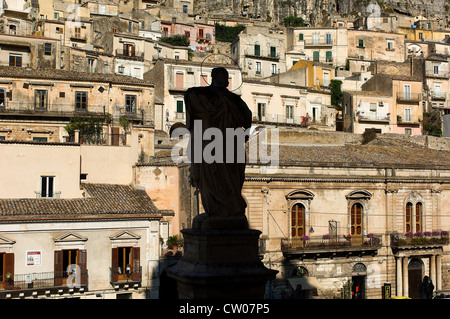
319, 43
43, 283
290, 120
334, 246
268, 57
373, 118
438, 95
408, 97
438, 74
419, 240
126, 54
78, 37
131, 277
50, 110
409, 120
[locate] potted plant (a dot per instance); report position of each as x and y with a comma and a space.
174, 242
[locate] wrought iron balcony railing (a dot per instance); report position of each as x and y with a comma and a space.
332, 243
27, 284
411, 97
129, 54
121, 275
420, 239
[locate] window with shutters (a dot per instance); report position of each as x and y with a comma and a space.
418, 217
130, 103
81, 101
15, 59
70, 267
40, 100
414, 217
125, 264
408, 217
316, 56
257, 49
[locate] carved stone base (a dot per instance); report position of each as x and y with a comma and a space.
221, 264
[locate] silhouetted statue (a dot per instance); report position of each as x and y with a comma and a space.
219, 181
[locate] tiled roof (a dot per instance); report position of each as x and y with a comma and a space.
102, 200
63, 75
377, 153
381, 152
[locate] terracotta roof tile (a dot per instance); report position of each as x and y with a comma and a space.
101, 200
63, 75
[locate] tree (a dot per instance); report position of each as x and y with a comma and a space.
432, 124
176, 40
293, 21
225, 33
90, 127
336, 94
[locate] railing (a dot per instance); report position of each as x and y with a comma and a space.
438, 95
320, 42
44, 280
407, 120
336, 242
439, 74
129, 54
55, 195
295, 120
123, 275
74, 36
420, 239
403, 96
269, 55
374, 117
49, 109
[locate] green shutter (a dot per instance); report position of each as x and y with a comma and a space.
300, 37
316, 56
273, 52
180, 107
257, 49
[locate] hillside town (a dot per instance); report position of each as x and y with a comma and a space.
356, 96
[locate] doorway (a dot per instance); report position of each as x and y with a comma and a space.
358, 287
415, 275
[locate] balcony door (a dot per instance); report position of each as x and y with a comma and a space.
70, 267
407, 91
125, 264
356, 221
297, 222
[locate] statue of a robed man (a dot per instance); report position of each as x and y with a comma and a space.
218, 165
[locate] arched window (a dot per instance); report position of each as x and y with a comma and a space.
297, 220
409, 208
418, 216
356, 219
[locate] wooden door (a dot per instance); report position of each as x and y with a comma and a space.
297, 224
356, 223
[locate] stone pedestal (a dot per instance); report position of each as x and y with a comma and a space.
221, 264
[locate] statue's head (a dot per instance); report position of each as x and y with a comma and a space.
219, 77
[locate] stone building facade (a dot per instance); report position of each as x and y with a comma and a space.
336, 211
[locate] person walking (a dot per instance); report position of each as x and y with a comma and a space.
426, 288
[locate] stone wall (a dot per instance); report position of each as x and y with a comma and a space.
314, 11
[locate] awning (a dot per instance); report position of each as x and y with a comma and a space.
308, 283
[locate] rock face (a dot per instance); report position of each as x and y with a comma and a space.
314, 11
